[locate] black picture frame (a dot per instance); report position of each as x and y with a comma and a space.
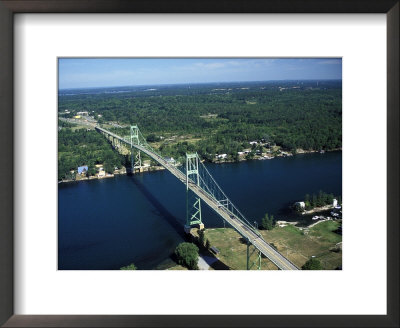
7, 10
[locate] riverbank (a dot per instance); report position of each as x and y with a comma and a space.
124, 172
318, 209
267, 156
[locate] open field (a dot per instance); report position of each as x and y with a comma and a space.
174, 140
299, 245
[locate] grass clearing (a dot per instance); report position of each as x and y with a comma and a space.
291, 241
233, 250
178, 139
298, 246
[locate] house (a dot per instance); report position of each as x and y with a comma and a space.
300, 205
82, 169
169, 160
221, 156
335, 203
253, 142
100, 173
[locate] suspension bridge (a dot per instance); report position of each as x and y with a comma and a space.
200, 185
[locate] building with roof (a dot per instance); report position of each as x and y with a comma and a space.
101, 173
300, 206
82, 169
170, 160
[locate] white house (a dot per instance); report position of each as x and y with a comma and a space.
300, 205
170, 160
101, 173
222, 156
334, 202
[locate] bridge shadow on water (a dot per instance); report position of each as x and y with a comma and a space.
175, 224
171, 219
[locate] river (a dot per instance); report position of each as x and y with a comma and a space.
109, 223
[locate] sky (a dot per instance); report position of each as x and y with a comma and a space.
111, 72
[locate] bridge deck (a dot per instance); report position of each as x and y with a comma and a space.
278, 259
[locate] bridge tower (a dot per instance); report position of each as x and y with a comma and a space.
136, 161
193, 207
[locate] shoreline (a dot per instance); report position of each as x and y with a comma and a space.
148, 169
283, 154
318, 209
159, 168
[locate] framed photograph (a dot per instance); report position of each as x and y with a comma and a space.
215, 119
255, 119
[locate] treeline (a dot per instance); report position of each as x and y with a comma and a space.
320, 199
82, 147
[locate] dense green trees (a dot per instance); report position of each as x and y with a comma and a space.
318, 200
312, 264
225, 118
82, 147
187, 254
267, 222
152, 138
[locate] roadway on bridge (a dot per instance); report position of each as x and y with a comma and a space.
273, 255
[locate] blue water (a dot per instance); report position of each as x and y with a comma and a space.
106, 224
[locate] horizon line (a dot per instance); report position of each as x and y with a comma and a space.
194, 83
